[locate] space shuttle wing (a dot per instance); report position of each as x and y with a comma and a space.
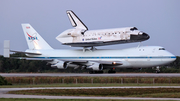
75, 21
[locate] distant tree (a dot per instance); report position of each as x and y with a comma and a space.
3, 81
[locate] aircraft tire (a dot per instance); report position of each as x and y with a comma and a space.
111, 71
96, 72
157, 72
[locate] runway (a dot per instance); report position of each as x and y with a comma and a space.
91, 75
3, 94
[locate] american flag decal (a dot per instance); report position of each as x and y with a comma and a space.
99, 38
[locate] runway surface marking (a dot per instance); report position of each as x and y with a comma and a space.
3, 94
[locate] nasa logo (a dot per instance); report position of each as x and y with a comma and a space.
31, 37
82, 39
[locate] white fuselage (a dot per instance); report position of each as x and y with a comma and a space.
140, 57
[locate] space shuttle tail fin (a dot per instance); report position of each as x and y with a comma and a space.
75, 21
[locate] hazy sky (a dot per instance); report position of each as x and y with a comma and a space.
158, 18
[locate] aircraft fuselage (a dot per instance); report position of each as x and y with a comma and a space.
142, 57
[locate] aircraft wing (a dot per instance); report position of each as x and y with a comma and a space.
80, 62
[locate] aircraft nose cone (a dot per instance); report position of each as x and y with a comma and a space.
173, 58
140, 37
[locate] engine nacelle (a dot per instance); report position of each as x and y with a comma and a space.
96, 66
60, 65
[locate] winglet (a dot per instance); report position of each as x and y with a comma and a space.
75, 21
6, 48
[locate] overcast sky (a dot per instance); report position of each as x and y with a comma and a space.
158, 18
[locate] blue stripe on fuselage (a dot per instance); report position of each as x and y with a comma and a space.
161, 57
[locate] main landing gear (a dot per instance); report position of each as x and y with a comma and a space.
96, 72
112, 70
101, 72
157, 69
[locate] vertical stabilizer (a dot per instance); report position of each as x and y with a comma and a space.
6, 48
34, 40
75, 21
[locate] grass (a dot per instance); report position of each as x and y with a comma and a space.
159, 95
83, 85
120, 92
32, 99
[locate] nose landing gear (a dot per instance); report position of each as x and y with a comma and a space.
157, 69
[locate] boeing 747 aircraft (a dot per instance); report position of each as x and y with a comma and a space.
139, 57
80, 36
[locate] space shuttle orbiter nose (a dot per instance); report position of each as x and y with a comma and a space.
141, 36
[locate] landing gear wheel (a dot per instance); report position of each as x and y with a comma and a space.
157, 71
96, 72
111, 71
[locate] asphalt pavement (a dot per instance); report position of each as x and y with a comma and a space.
91, 75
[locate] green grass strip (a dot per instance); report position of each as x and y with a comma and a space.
135, 92
32, 99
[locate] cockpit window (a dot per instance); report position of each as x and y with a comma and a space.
161, 48
134, 28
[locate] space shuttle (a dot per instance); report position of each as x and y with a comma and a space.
80, 36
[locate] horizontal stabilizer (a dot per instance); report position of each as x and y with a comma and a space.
26, 52
26, 58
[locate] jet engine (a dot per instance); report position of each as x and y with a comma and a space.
60, 65
96, 66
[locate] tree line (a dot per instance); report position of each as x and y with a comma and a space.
10, 65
